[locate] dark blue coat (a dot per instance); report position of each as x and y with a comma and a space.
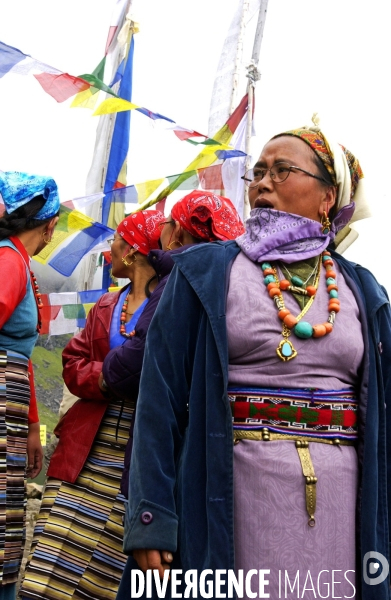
182, 463
122, 365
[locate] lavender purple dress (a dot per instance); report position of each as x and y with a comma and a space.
271, 521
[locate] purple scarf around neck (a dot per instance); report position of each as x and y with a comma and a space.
275, 235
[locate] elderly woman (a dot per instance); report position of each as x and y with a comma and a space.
27, 225
77, 548
277, 342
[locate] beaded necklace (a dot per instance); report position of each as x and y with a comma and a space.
122, 318
38, 298
302, 329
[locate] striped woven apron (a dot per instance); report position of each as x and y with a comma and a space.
14, 405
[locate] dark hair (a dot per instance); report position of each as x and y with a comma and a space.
22, 219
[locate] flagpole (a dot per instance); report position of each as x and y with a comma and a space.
96, 179
238, 59
253, 76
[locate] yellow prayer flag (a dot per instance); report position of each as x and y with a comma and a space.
144, 190
42, 434
113, 105
77, 221
47, 251
88, 306
85, 99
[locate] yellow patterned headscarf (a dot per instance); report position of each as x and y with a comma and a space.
346, 174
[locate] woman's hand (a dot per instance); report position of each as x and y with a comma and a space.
153, 559
104, 388
34, 451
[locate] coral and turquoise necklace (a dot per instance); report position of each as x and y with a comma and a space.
302, 329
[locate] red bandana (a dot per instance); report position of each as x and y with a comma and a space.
141, 230
208, 217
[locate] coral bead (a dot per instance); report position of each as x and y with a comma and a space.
326, 253
328, 262
283, 313
311, 290
329, 327
271, 285
290, 321
318, 331
333, 306
274, 291
284, 284
332, 287
331, 273
268, 272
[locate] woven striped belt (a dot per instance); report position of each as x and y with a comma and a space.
300, 416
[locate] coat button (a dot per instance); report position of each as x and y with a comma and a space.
146, 518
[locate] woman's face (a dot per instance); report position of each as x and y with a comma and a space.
118, 249
299, 193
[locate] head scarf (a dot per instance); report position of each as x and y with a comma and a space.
18, 189
208, 217
141, 230
345, 173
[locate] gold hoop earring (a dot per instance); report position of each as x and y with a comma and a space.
43, 237
173, 242
325, 223
126, 262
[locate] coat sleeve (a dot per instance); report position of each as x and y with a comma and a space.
161, 418
385, 357
122, 365
80, 371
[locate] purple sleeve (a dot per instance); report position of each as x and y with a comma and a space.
122, 365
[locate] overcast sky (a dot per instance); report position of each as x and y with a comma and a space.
325, 56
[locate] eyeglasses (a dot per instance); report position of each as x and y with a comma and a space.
163, 223
110, 241
278, 173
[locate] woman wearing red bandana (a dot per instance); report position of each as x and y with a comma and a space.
197, 218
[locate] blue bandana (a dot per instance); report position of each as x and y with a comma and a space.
19, 188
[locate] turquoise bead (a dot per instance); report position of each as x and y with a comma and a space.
324, 258
286, 349
266, 265
269, 279
333, 294
303, 330
326, 230
330, 281
297, 281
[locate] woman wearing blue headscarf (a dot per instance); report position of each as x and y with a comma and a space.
27, 225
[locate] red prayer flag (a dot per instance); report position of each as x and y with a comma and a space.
63, 86
184, 134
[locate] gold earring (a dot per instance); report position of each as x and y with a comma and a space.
174, 242
325, 223
43, 237
126, 262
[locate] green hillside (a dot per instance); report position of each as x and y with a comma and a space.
47, 367
48, 383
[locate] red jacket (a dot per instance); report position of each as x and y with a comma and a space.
82, 361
